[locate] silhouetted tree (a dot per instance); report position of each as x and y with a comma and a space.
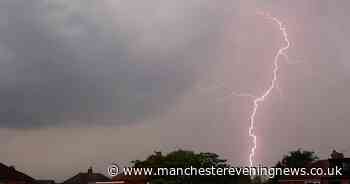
295, 159
186, 159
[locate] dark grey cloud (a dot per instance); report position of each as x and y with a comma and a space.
74, 61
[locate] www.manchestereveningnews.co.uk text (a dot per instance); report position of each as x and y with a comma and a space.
114, 170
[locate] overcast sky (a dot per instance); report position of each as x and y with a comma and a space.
85, 83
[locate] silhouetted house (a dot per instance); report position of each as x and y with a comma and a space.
336, 160
9, 175
135, 179
87, 178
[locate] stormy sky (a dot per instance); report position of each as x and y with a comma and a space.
86, 82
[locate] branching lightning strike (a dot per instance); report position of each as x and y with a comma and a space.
257, 100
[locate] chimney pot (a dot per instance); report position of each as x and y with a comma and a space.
337, 155
90, 171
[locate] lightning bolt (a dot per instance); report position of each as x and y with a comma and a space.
258, 100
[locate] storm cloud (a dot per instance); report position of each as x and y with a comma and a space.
82, 61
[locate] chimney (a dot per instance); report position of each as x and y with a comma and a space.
337, 155
90, 171
12, 168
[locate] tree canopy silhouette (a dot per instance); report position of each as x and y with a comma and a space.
295, 159
186, 159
